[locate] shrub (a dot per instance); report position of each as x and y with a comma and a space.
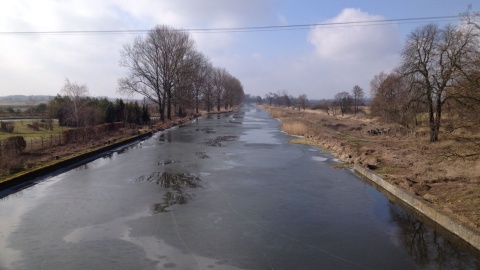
7, 126
15, 144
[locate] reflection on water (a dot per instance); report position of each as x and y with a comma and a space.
218, 141
425, 246
177, 188
165, 137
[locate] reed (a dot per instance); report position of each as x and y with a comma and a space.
295, 127
275, 113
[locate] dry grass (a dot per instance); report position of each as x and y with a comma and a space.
294, 127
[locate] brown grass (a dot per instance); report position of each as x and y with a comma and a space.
294, 127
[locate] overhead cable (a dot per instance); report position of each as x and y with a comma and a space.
245, 29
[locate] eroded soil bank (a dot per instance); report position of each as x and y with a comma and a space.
405, 159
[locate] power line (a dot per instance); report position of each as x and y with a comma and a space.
245, 29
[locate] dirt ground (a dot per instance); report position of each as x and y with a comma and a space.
404, 158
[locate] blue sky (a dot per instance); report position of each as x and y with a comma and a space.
318, 62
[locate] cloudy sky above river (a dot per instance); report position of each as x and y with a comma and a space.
319, 61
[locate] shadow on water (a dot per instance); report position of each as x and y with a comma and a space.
426, 246
177, 188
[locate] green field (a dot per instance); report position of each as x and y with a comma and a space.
24, 128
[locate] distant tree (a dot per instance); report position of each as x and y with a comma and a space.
344, 101
201, 79
219, 77
358, 96
269, 97
324, 105
77, 97
302, 101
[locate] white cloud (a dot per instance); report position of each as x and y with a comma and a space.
354, 42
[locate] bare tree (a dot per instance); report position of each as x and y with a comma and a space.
471, 17
185, 89
435, 59
202, 74
392, 100
77, 95
208, 94
344, 101
155, 65
325, 105
233, 91
302, 101
270, 97
219, 78
358, 96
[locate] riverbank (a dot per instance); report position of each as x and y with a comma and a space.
41, 162
404, 159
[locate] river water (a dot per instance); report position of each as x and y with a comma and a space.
225, 192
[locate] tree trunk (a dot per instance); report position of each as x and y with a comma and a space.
162, 108
196, 104
169, 108
437, 120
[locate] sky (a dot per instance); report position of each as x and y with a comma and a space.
317, 61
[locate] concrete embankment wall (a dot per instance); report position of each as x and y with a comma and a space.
425, 208
32, 174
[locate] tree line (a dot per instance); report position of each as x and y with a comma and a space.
165, 67
96, 111
283, 99
439, 74
343, 103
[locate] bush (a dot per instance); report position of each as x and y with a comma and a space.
7, 127
15, 144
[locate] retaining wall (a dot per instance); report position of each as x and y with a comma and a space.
426, 209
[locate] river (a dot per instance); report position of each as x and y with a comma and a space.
224, 192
